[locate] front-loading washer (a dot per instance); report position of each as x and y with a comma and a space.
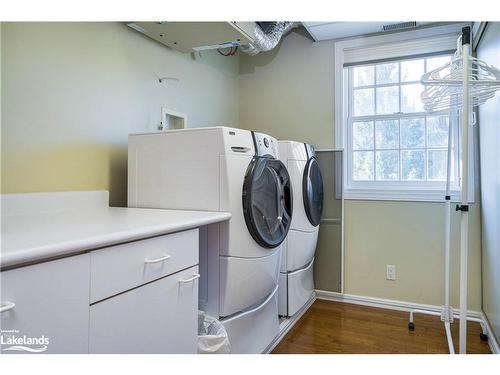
296, 284
231, 170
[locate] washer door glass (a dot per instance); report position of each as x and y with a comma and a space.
312, 190
267, 201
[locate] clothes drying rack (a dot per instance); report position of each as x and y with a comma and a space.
463, 83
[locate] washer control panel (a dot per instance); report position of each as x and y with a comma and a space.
265, 145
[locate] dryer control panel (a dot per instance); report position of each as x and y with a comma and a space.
265, 145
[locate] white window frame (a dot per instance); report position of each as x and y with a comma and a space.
385, 190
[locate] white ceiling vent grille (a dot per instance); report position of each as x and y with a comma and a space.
339, 30
399, 26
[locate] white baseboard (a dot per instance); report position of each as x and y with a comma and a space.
287, 325
384, 303
492, 340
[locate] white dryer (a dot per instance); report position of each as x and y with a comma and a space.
296, 283
232, 170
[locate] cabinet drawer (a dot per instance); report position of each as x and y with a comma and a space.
119, 268
48, 302
160, 317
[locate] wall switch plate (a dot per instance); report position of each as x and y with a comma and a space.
390, 272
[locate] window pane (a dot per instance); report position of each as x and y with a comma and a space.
387, 100
387, 134
437, 164
387, 165
412, 70
437, 131
363, 75
362, 135
410, 98
436, 62
413, 165
364, 102
387, 73
362, 165
412, 133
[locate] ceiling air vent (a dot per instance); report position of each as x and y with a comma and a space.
399, 26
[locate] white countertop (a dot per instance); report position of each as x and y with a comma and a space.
44, 234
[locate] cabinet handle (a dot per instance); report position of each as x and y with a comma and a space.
195, 276
7, 306
161, 259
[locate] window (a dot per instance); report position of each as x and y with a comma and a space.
391, 137
394, 150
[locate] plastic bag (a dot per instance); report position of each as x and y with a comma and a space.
212, 336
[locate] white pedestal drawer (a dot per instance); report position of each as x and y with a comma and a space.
49, 299
122, 267
159, 317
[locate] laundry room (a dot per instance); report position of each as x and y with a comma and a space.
279, 189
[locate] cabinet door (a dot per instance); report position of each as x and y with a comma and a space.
159, 317
49, 304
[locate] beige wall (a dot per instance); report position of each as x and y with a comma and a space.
71, 92
409, 235
328, 257
489, 125
289, 94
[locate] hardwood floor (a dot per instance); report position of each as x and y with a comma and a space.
334, 327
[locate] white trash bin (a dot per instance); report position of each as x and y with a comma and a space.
212, 336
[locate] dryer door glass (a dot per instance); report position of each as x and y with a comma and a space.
312, 190
267, 201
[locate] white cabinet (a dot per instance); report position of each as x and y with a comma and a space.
49, 299
188, 37
159, 317
138, 297
85, 276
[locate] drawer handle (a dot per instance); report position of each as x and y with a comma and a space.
195, 276
248, 312
161, 259
7, 306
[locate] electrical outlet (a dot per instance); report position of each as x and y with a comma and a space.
390, 272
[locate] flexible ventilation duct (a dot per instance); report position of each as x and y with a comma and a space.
267, 36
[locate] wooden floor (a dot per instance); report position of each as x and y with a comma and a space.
334, 327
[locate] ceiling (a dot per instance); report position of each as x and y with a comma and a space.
320, 31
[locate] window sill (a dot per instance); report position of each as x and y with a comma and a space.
401, 195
